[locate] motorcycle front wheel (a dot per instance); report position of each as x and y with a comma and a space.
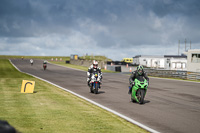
140, 96
45, 67
91, 89
96, 89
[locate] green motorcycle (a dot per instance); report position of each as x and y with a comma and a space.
139, 90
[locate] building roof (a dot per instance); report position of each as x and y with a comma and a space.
175, 56
149, 56
162, 56
137, 56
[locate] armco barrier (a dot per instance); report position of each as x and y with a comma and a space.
193, 76
173, 74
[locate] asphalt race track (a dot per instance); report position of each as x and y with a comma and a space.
171, 106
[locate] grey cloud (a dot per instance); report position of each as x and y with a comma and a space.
173, 7
115, 24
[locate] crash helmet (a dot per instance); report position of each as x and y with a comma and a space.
45, 62
140, 69
95, 64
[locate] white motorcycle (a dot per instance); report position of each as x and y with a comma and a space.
95, 83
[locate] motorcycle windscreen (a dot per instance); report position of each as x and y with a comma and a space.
141, 78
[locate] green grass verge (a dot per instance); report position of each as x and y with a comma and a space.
78, 67
64, 58
50, 109
99, 58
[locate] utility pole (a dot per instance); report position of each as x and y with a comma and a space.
190, 44
178, 46
185, 44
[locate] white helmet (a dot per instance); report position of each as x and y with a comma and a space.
95, 64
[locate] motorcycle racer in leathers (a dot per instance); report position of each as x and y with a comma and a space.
93, 68
139, 72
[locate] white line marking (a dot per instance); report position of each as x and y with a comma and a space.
97, 104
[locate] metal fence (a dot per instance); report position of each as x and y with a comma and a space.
173, 74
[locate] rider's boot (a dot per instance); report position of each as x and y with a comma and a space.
130, 90
88, 83
100, 85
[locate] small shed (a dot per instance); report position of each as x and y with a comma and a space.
74, 57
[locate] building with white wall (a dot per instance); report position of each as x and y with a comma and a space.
175, 62
168, 62
149, 60
193, 60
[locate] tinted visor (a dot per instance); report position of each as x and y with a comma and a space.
140, 71
95, 66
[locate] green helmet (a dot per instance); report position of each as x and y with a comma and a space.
140, 69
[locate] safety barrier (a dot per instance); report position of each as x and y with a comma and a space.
173, 74
193, 75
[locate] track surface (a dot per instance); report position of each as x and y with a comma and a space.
171, 106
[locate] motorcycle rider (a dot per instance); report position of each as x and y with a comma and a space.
44, 63
31, 61
139, 72
93, 68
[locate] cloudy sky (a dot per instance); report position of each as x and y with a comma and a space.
114, 28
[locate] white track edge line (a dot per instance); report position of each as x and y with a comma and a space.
97, 104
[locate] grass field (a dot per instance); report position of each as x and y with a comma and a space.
52, 110
64, 58
99, 58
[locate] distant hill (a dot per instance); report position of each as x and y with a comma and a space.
98, 57
35, 57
